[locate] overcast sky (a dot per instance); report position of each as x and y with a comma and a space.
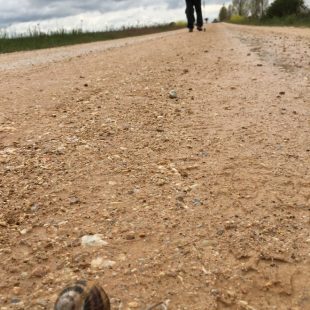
20, 15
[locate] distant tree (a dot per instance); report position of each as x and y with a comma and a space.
258, 8
241, 7
281, 8
229, 11
223, 15
264, 7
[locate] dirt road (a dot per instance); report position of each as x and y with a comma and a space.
201, 201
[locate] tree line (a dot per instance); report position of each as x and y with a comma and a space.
259, 9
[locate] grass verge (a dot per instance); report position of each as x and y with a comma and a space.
38, 40
291, 20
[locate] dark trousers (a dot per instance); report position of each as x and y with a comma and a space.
190, 4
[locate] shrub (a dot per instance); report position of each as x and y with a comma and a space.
223, 14
281, 8
181, 23
237, 19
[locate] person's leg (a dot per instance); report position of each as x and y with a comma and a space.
190, 14
197, 4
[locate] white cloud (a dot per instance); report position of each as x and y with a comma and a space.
96, 20
20, 15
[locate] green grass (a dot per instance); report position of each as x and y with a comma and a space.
36, 39
292, 20
236, 19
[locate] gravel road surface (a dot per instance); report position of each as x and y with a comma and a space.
186, 154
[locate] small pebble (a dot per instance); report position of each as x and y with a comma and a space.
173, 94
23, 232
35, 207
197, 202
133, 304
40, 272
15, 301
130, 236
74, 200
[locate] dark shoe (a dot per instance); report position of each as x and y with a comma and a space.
190, 29
199, 28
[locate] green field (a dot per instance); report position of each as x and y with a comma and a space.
37, 40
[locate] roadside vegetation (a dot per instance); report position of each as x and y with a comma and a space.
260, 12
36, 39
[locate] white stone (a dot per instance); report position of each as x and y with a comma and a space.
24, 231
173, 94
100, 263
93, 240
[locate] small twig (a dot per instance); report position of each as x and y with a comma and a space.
154, 306
162, 303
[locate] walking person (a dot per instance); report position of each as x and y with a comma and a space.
190, 5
